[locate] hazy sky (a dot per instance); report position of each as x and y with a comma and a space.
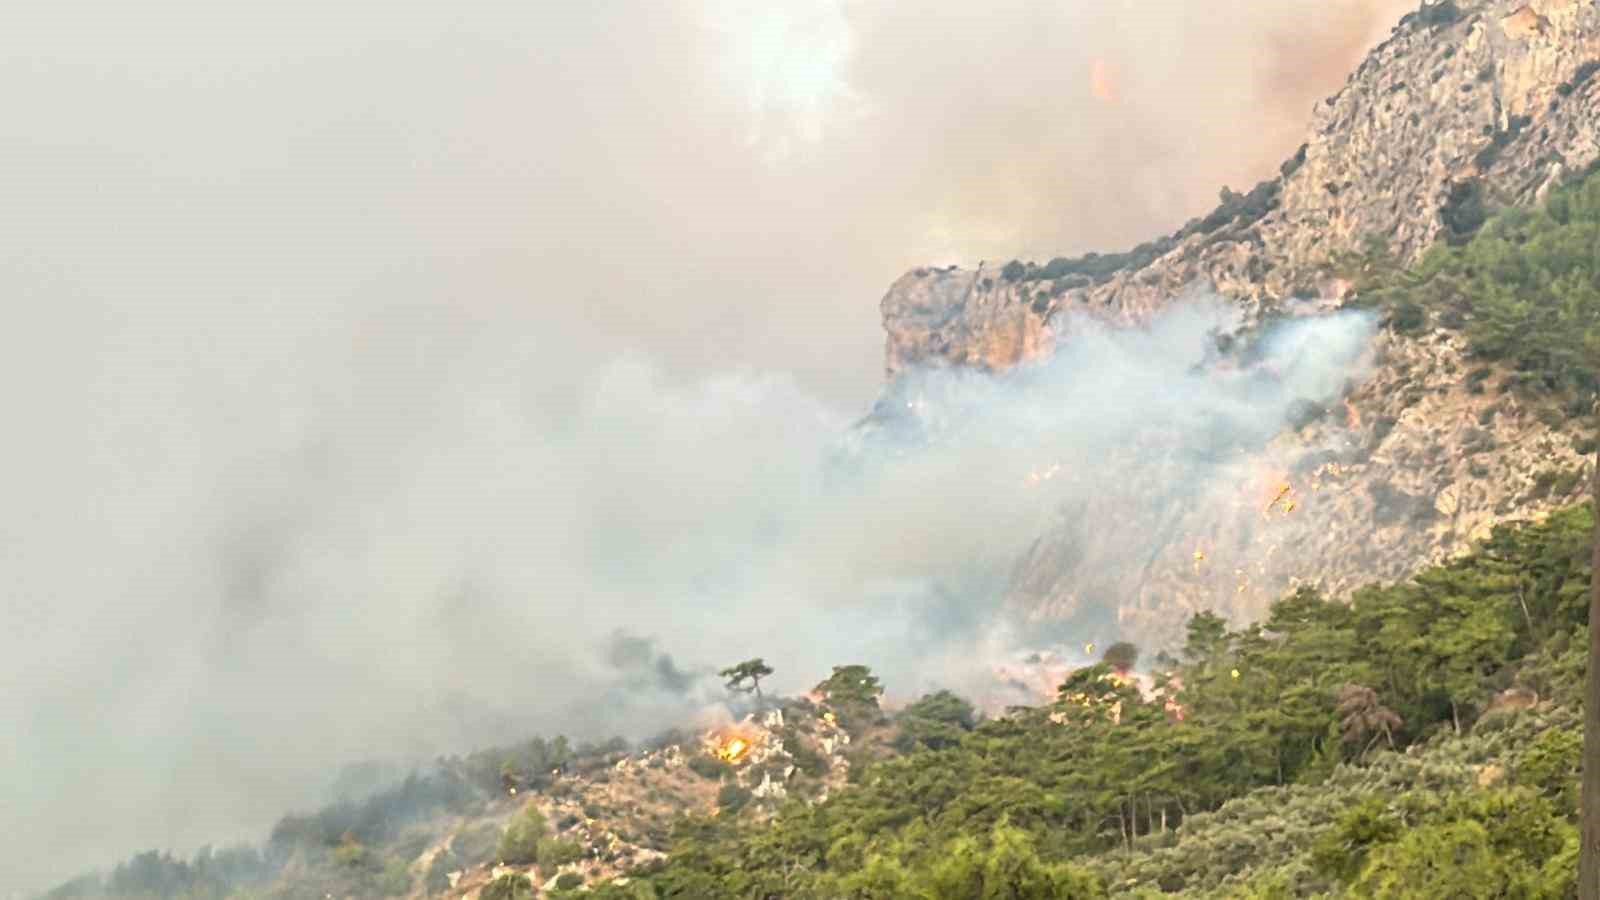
313, 307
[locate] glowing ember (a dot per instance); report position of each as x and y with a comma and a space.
733, 749
1102, 83
1046, 474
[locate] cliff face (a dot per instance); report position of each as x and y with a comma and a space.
1466, 106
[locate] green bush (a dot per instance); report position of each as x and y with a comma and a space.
733, 798
709, 767
1524, 286
935, 721
520, 842
394, 879
476, 844
509, 886
552, 854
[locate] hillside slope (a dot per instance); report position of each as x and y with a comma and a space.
1467, 107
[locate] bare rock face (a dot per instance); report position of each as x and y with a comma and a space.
1426, 458
1463, 108
1496, 101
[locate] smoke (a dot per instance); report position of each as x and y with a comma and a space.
372, 367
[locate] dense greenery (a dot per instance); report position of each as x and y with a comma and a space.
1277, 779
1421, 740
1524, 288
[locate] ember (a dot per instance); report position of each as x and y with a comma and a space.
733, 749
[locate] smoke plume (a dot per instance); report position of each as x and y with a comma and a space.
370, 368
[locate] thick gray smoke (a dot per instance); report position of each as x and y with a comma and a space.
417, 559
369, 368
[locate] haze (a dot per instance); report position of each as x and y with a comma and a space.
366, 364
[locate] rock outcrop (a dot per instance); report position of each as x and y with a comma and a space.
1466, 106
1492, 103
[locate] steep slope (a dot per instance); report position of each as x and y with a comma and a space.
1466, 107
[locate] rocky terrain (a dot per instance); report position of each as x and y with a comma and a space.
617, 813
1466, 107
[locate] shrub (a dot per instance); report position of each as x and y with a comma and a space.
520, 843
394, 879
1438, 14
509, 886
805, 758
732, 798
476, 844
1463, 212
1408, 317
1584, 73
708, 767
552, 853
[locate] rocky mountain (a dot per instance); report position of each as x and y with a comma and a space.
1468, 106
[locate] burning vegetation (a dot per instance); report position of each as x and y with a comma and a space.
731, 748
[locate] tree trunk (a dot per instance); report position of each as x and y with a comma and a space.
1589, 849
1455, 717
1532, 632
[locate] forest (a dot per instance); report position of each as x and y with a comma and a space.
1416, 739
1424, 735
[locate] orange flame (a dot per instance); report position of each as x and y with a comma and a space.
1101, 82
1352, 418
733, 749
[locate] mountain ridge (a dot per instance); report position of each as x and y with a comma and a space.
1465, 108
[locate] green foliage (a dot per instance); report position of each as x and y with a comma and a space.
751, 670
936, 721
806, 758
350, 852
1005, 866
1480, 844
1583, 74
509, 886
1437, 14
1233, 208
476, 844
393, 879
1279, 777
520, 842
553, 853
732, 798
1549, 765
1523, 285
707, 766
1121, 656
853, 692
1464, 210
1339, 748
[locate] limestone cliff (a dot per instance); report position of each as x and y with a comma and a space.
1466, 106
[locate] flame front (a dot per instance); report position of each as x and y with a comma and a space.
733, 749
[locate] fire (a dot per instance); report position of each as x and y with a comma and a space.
1045, 474
1101, 82
1352, 417
732, 748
